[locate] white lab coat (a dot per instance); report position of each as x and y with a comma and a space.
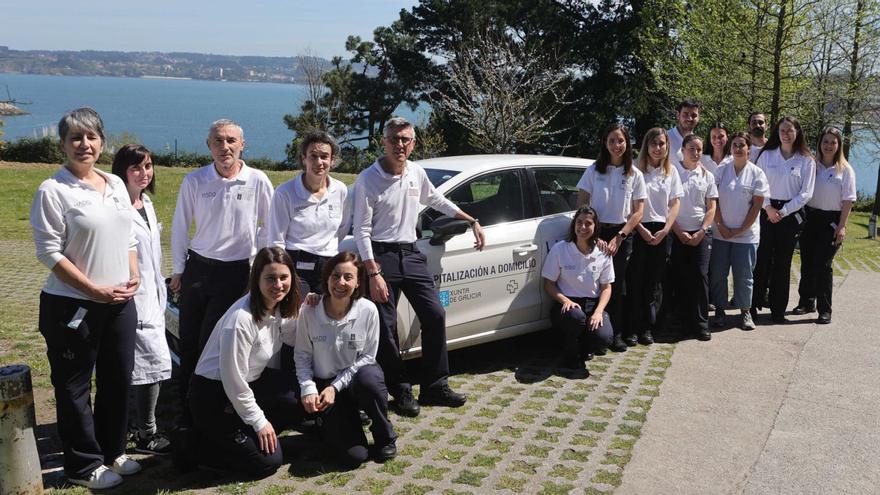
152, 359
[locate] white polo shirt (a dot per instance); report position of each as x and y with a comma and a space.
675, 140
753, 153
386, 207
612, 193
735, 196
301, 221
229, 214
698, 185
577, 274
238, 351
334, 349
71, 219
832, 188
710, 163
661, 189
792, 179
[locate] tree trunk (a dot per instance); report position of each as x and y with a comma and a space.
778, 43
853, 85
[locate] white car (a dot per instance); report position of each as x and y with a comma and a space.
524, 204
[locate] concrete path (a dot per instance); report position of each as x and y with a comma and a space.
782, 409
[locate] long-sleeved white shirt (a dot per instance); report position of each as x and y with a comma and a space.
229, 213
71, 219
238, 351
298, 220
327, 348
790, 179
386, 207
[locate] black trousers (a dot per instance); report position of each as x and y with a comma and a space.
340, 426
225, 441
405, 269
690, 264
618, 287
103, 342
577, 339
308, 280
644, 295
773, 265
817, 253
208, 288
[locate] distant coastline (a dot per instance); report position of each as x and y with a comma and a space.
166, 77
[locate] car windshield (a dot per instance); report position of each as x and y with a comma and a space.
438, 177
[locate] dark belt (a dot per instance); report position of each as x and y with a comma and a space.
211, 261
818, 214
299, 255
778, 203
394, 247
603, 225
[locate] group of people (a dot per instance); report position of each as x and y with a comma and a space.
278, 326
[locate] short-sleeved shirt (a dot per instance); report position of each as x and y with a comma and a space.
612, 193
575, 273
661, 189
710, 163
698, 185
833, 188
735, 196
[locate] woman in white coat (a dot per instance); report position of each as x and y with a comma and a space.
152, 359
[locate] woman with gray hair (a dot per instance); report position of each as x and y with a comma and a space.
82, 226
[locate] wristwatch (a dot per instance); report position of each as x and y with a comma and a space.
623, 235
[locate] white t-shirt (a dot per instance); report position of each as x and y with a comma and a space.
675, 140
577, 274
229, 215
832, 188
71, 219
789, 179
698, 185
735, 196
238, 351
612, 193
753, 153
300, 221
661, 189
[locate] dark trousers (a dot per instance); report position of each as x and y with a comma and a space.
618, 287
773, 266
208, 288
817, 253
644, 295
225, 441
308, 280
690, 264
103, 342
340, 426
577, 338
405, 269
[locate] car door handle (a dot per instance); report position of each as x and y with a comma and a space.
525, 249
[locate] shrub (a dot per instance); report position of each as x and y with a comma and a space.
33, 150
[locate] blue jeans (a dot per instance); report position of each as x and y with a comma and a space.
740, 258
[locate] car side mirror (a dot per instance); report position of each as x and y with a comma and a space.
445, 228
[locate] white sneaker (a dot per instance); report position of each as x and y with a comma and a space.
100, 479
125, 466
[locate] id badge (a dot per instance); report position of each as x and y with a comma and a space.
77, 319
305, 265
412, 192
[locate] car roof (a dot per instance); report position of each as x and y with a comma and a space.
479, 163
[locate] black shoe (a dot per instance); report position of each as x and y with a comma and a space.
185, 446
405, 405
600, 351
646, 338
365, 420
617, 345
156, 444
778, 319
588, 356
386, 452
804, 308
824, 318
441, 396
704, 334
754, 312
631, 340
571, 363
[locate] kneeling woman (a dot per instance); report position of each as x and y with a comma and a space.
238, 397
335, 356
578, 276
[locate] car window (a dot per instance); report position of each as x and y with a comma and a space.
557, 189
438, 177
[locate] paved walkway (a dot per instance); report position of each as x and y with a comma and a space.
783, 409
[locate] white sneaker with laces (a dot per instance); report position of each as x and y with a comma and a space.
125, 466
100, 479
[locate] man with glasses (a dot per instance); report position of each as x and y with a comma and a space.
757, 131
388, 196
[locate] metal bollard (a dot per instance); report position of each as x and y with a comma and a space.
20, 472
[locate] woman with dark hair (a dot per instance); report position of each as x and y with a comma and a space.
650, 252
715, 148
578, 277
616, 190
691, 243
152, 359
82, 227
827, 213
335, 353
791, 175
238, 397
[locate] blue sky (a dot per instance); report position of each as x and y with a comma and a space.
243, 27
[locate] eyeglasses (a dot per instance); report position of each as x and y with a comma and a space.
404, 140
